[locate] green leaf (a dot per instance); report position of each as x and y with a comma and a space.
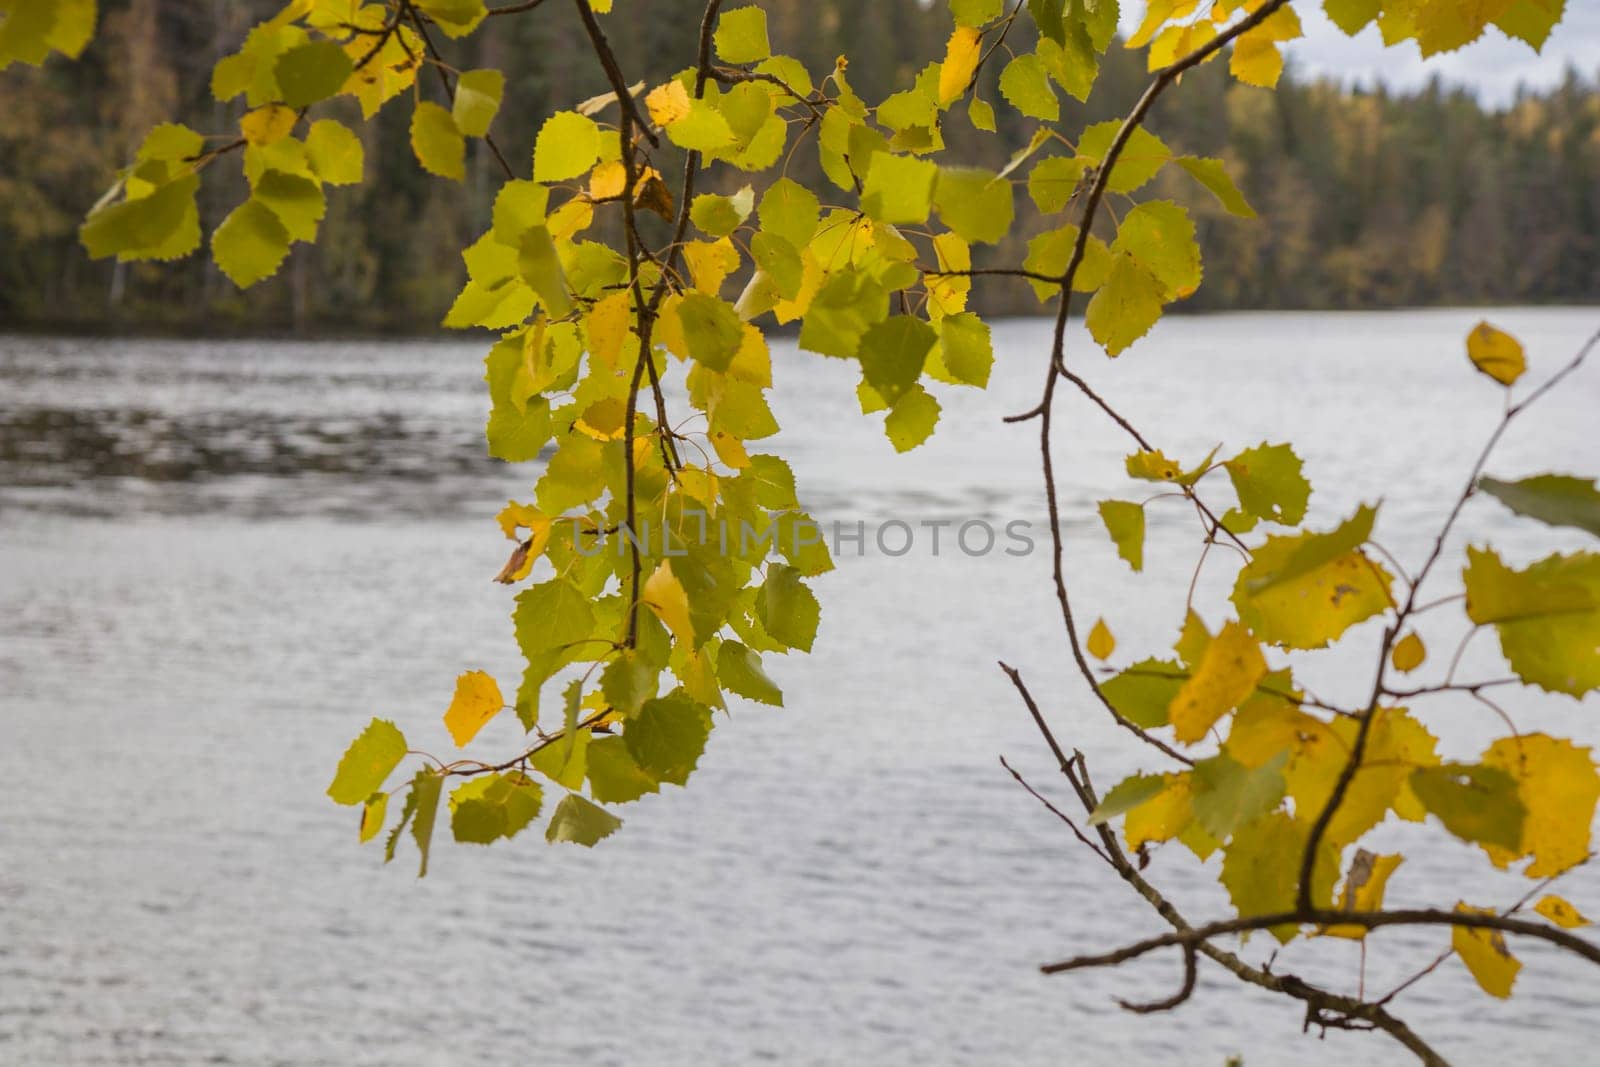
540, 267
1261, 869
614, 777
566, 760
250, 244
739, 671
437, 144
711, 329
667, 737
1228, 795
1052, 182
1476, 803
1026, 87
1124, 521
741, 35
975, 203
898, 189
981, 114
312, 72
721, 215
628, 681
368, 762
1548, 616
966, 349
1213, 174
1126, 306
163, 225
787, 609
456, 18
976, 12
1270, 484
893, 353
580, 822
1160, 238
1144, 692
424, 801
1526, 20
789, 210
846, 305
494, 806
1127, 795
1141, 157
1048, 16
912, 419
335, 153
781, 262
1553, 499
298, 202
567, 146
703, 129
478, 95
552, 616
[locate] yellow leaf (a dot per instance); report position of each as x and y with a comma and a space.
607, 180
1101, 644
1409, 653
1559, 787
1496, 353
1396, 745
267, 125
372, 814
730, 449
1560, 912
710, 263
1485, 954
1153, 467
699, 484
1162, 817
667, 103
570, 218
960, 61
477, 700
1363, 889
1313, 608
1256, 61
608, 328
1226, 675
604, 420
664, 595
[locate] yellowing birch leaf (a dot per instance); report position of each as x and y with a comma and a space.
1363, 889
1559, 787
1496, 353
664, 595
1101, 643
1226, 675
1560, 912
1485, 954
477, 700
267, 125
960, 61
1408, 653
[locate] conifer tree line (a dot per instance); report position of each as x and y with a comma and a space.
1379, 199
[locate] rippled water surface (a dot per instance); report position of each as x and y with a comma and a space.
217, 560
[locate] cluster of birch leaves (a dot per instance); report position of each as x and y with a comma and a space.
870, 267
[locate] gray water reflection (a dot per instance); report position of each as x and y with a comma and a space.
219, 559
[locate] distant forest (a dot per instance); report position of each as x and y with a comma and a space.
1376, 199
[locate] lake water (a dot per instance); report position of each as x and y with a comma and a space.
219, 559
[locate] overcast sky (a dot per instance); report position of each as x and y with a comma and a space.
1493, 66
